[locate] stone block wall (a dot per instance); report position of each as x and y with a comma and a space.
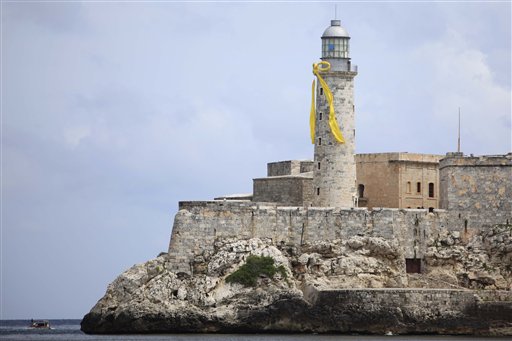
291, 167
477, 189
198, 224
288, 190
334, 171
415, 310
380, 179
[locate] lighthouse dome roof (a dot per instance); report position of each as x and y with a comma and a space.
335, 30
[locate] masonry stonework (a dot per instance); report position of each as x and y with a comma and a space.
334, 173
198, 224
477, 188
291, 167
287, 190
334, 169
402, 180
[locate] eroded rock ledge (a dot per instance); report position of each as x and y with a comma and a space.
317, 294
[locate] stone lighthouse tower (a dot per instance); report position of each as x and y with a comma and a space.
334, 175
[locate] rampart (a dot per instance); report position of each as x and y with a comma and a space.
198, 224
290, 167
477, 188
413, 311
296, 190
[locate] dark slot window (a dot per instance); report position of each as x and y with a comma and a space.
320, 116
418, 187
431, 190
319, 165
321, 91
319, 141
318, 191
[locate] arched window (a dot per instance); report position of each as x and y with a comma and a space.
418, 187
408, 188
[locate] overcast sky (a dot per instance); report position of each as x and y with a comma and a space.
113, 112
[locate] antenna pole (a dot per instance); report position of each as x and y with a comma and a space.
458, 140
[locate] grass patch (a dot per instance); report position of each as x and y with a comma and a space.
254, 267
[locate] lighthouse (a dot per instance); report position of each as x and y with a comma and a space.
334, 169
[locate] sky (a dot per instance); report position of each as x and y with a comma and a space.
113, 112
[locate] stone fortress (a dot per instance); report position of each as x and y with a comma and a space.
303, 201
371, 243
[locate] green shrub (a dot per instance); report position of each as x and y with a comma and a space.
254, 267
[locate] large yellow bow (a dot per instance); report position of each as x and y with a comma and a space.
323, 66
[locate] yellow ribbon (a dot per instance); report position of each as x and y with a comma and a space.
323, 66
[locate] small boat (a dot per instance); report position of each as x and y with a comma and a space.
40, 324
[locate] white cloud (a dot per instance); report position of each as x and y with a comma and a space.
74, 135
460, 76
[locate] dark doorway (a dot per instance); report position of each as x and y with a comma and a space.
413, 265
360, 191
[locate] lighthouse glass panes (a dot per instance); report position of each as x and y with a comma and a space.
335, 48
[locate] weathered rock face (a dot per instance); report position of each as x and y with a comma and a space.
317, 293
483, 261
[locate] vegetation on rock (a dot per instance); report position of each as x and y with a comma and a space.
255, 266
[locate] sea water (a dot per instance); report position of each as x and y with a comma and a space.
70, 330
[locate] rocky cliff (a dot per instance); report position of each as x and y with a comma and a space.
343, 286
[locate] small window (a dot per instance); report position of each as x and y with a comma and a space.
418, 187
431, 190
321, 91
408, 187
319, 141
318, 191
431, 209
319, 165
320, 116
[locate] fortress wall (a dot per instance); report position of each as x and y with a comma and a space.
290, 190
198, 224
477, 188
283, 168
415, 310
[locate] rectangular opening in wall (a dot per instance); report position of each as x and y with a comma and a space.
320, 116
413, 265
318, 191
431, 190
321, 91
360, 190
319, 165
408, 188
418, 187
319, 141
